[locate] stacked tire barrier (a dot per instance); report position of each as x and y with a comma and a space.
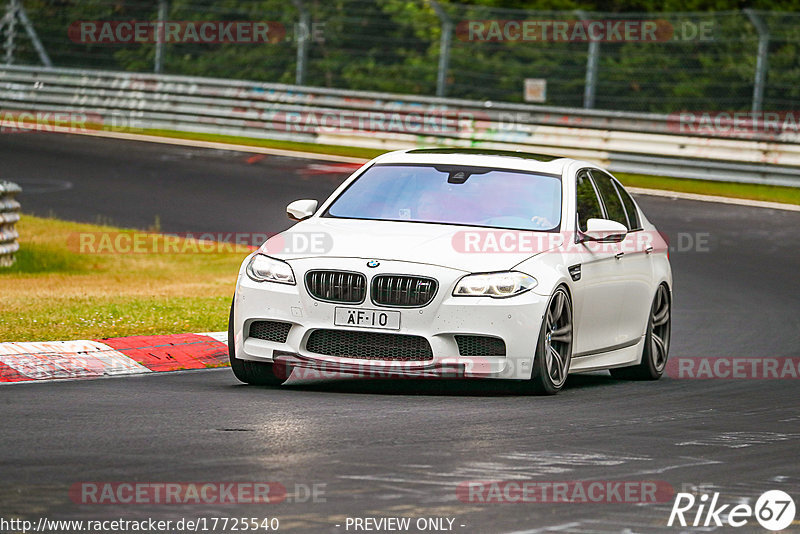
9, 215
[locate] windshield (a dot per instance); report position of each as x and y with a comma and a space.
448, 194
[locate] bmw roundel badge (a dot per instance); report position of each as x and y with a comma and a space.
373, 263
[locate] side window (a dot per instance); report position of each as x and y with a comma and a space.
587, 202
611, 200
630, 207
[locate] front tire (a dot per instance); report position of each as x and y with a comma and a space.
255, 373
554, 347
656, 342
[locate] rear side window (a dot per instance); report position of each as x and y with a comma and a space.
630, 207
587, 203
611, 200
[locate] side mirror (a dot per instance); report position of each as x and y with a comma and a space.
301, 209
604, 231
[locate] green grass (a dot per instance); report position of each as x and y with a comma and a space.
770, 193
56, 291
82, 317
37, 258
351, 151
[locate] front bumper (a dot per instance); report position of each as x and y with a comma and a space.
515, 320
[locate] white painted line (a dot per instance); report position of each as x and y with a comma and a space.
712, 198
67, 359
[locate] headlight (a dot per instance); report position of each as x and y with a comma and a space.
262, 268
497, 285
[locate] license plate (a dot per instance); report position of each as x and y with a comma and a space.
389, 320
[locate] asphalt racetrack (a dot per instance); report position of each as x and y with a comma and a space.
402, 448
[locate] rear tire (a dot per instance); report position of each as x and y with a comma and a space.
255, 373
554, 347
656, 342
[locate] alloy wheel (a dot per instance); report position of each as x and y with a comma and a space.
558, 338
660, 329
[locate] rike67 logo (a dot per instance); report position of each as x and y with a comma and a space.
774, 510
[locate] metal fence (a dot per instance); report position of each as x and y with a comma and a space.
731, 60
9, 215
80, 101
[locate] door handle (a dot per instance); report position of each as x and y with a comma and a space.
619, 255
648, 250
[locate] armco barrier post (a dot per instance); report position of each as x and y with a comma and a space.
9, 215
761, 60
10, 21
592, 59
444, 48
303, 25
160, 37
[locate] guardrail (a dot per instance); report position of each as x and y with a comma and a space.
625, 142
9, 215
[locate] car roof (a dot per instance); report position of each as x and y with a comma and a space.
484, 152
478, 157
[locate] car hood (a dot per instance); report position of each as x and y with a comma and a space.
466, 248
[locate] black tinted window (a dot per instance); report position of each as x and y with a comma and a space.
611, 201
587, 202
630, 207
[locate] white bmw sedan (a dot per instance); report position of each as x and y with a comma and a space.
459, 263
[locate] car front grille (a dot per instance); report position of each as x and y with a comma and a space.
270, 330
337, 286
403, 290
480, 346
369, 345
